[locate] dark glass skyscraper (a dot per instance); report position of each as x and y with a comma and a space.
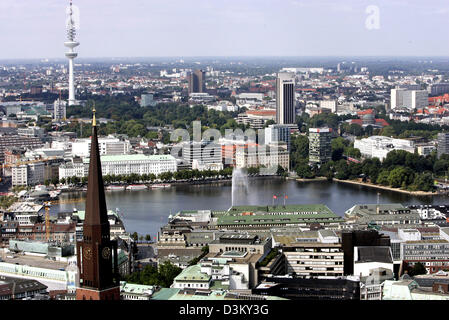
197, 81
285, 98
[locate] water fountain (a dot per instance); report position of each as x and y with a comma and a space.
239, 184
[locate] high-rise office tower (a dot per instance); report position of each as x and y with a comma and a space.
438, 88
408, 98
71, 44
277, 133
97, 253
59, 110
285, 98
197, 81
443, 144
320, 149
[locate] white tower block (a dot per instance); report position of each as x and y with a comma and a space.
71, 44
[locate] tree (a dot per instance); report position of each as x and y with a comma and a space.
356, 129
440, 166
299, 150
423, 182
304, 171
395, 177
148, 237
342, 171
135, 236
167, 273
338, 147
281, 171
388, 131
382, 178
417, 269
54, 181
165, 176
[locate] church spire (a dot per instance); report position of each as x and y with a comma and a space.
94, 122
96, 211
96, 252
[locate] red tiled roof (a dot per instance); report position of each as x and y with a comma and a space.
379, 122
368, 111
382, 122
262, 112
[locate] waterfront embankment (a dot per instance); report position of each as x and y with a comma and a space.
371, 185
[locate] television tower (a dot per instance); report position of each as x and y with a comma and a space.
71, 44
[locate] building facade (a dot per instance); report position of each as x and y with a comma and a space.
59, 110
379, 146
443, 144
285, 98
320, 150
278, 132
28, 174
197, 81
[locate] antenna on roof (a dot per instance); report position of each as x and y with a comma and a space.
378, 200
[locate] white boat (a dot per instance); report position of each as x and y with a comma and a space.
161, 185
115, 188
136, 187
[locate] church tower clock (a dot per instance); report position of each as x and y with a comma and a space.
97, 253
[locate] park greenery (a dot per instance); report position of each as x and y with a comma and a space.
417, 269
130, 119
396, 128
408, 129
400, 169
270, 256
7, 201
161, 276
136, 237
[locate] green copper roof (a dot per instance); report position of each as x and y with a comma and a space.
290, 214
320, 208
135, 288
165, 294
192, 273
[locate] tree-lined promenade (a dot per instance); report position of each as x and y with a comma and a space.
179, 176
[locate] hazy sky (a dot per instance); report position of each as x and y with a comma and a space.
148, 28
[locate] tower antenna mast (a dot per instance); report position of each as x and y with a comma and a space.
71, 43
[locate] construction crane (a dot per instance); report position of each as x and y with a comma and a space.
47, 220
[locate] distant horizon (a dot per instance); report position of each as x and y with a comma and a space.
231, 28
340, 57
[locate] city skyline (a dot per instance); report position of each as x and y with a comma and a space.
249, 28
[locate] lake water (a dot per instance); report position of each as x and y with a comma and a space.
145, 211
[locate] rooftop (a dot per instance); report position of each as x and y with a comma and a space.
133, 157
34, 261
180, 294
192, 273
251, 215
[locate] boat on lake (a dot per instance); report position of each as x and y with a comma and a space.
115, 188
160, 185
136, 187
